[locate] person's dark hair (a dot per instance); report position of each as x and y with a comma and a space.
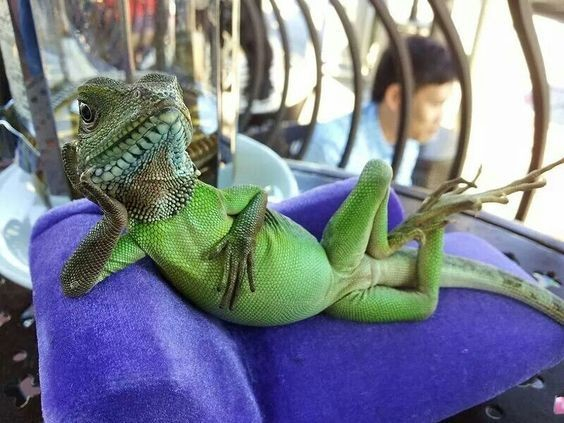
431, 61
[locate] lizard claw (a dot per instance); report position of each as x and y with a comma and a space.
70, 164
86, 176
450, 198
237, 254
110, 206
217, 250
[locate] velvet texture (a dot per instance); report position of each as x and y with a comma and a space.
133, 351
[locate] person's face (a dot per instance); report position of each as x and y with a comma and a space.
427, 110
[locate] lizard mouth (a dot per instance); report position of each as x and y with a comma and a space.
125, 155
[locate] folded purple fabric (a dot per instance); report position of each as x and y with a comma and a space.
313, 208
133, 350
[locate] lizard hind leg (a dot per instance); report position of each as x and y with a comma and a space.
451, 198
385, 303
347, 234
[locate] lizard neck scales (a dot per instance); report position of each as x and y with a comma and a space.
159, 200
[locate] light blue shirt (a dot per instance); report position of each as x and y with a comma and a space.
330, 138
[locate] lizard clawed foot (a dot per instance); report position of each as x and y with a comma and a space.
450, 198
82, 182
454, 186
237, 251
111, 207
70, 164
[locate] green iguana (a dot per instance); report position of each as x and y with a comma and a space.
231, 256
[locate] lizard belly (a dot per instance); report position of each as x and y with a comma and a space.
292, 274
293, 281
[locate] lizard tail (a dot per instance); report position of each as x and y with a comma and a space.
399, 271
466, 273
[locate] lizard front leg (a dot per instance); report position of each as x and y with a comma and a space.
81, 272
238, 246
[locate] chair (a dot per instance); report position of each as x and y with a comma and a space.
133, 350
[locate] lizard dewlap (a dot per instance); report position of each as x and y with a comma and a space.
231, 256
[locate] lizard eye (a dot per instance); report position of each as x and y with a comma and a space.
88, 116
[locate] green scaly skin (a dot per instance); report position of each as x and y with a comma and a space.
230, 255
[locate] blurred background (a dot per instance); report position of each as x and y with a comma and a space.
273, 70
501, 133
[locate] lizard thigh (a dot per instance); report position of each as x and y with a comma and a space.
346, 236
383, 304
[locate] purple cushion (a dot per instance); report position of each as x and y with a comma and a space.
325, 200
132, 350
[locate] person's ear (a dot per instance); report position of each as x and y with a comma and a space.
392, 96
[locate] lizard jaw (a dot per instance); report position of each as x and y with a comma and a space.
149, 171
128, 154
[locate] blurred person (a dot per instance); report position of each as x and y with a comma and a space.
433, 74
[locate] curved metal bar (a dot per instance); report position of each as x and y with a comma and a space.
286, 47
50, 166
161, 16
442, 16
317, 98
125, 22
257, 71
521, 14
401, 56
357, 79
5, 94
414, 11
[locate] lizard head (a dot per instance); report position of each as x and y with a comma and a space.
133, 139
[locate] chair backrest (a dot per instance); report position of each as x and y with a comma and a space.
292, 139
